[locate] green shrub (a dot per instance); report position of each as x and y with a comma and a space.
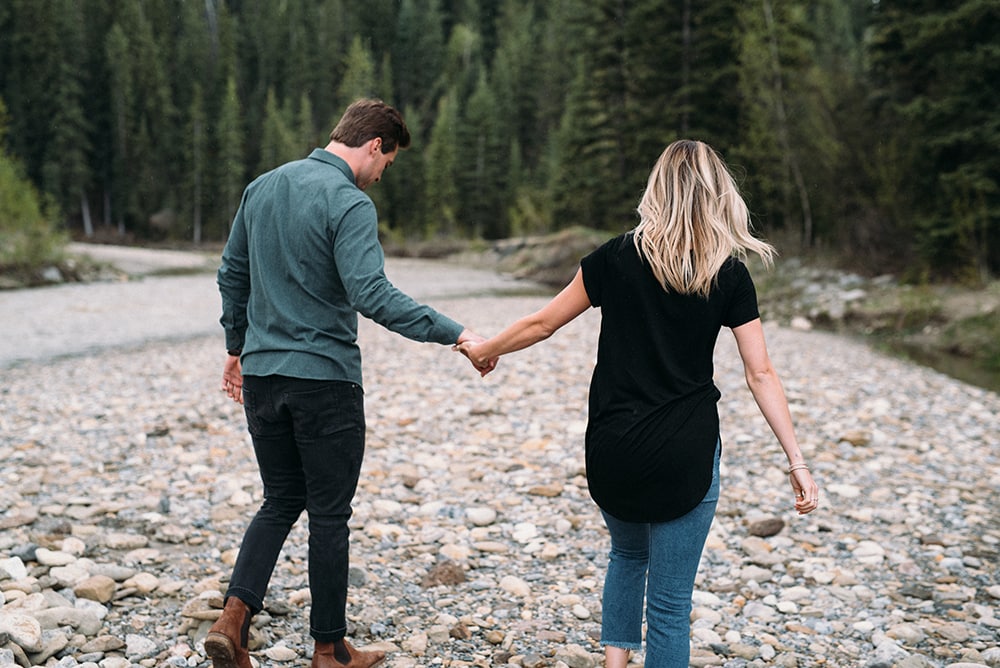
976, 337
28, 234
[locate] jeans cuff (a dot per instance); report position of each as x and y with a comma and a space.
328, 636
633, 646
248, 597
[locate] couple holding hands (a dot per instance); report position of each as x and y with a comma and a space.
303, 260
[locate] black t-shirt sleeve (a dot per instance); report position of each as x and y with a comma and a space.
593, 274
742, 306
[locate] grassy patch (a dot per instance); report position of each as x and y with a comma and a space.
976, 337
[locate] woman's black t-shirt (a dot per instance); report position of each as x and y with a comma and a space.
653, 420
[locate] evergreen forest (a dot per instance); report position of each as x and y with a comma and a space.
869, 128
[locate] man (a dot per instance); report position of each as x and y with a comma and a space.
302, 260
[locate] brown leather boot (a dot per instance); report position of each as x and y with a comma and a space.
325, 656
226, 642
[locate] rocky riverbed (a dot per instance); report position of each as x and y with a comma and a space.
128, 479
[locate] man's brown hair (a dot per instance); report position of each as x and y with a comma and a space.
367, 119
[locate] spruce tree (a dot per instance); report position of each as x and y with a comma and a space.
122, 94
65, 174
359, 74
930, 65
785, 141
278, 143
230, 154
482, 208
195, 164
441, 160
418, 52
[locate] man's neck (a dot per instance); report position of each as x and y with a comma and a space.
353, 156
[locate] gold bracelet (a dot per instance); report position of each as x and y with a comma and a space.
796, 467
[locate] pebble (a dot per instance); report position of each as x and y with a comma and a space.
481, 517
129, 482
281, 653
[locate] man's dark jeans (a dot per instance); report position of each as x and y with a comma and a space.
309, 439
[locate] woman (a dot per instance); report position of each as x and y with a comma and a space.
665, 289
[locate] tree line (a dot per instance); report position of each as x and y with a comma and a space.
867, 127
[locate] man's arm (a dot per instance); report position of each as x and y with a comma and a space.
361, 266
233, 279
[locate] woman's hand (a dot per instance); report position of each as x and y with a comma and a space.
474, 352
806, 490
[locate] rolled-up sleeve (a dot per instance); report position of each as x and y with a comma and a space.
233, 279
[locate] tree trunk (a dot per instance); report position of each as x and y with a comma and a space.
791, 160
107, 208
197, 209
88, 224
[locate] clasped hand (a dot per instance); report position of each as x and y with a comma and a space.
469, 348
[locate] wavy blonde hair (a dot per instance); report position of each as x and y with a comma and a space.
692, 219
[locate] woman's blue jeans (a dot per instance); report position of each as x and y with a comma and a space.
659, 561
309, 439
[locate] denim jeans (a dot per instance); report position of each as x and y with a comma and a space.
659, 560
309, 439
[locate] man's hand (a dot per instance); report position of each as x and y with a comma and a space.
232, 378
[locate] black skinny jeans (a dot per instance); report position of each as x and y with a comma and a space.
309, 439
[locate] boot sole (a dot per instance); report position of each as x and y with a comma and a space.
352, 662
221, 651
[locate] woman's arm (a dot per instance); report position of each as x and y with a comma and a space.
766, 388
531, 329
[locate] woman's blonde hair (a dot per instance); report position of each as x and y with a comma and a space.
692, 219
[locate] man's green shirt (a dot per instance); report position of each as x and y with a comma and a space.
302, 260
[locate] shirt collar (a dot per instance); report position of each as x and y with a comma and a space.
323, 155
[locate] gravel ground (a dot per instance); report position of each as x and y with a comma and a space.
128, 481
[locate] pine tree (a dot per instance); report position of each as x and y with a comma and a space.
787, 142
144, 124
195, 163
305, 131
418, 52
40, 69
482, 208
359, 74
930, 64
260, 65
573, 173
442, 165
375, 21
65, 173
278, 143
230, 139
122, 100
516, 78
595, 182
463, 60
332, 26
708, 95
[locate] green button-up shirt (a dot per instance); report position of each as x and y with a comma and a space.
302, 260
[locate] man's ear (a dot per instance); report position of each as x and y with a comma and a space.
376, 145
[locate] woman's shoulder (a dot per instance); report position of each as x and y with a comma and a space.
610, 249
734, 266
619, 244
733, 275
